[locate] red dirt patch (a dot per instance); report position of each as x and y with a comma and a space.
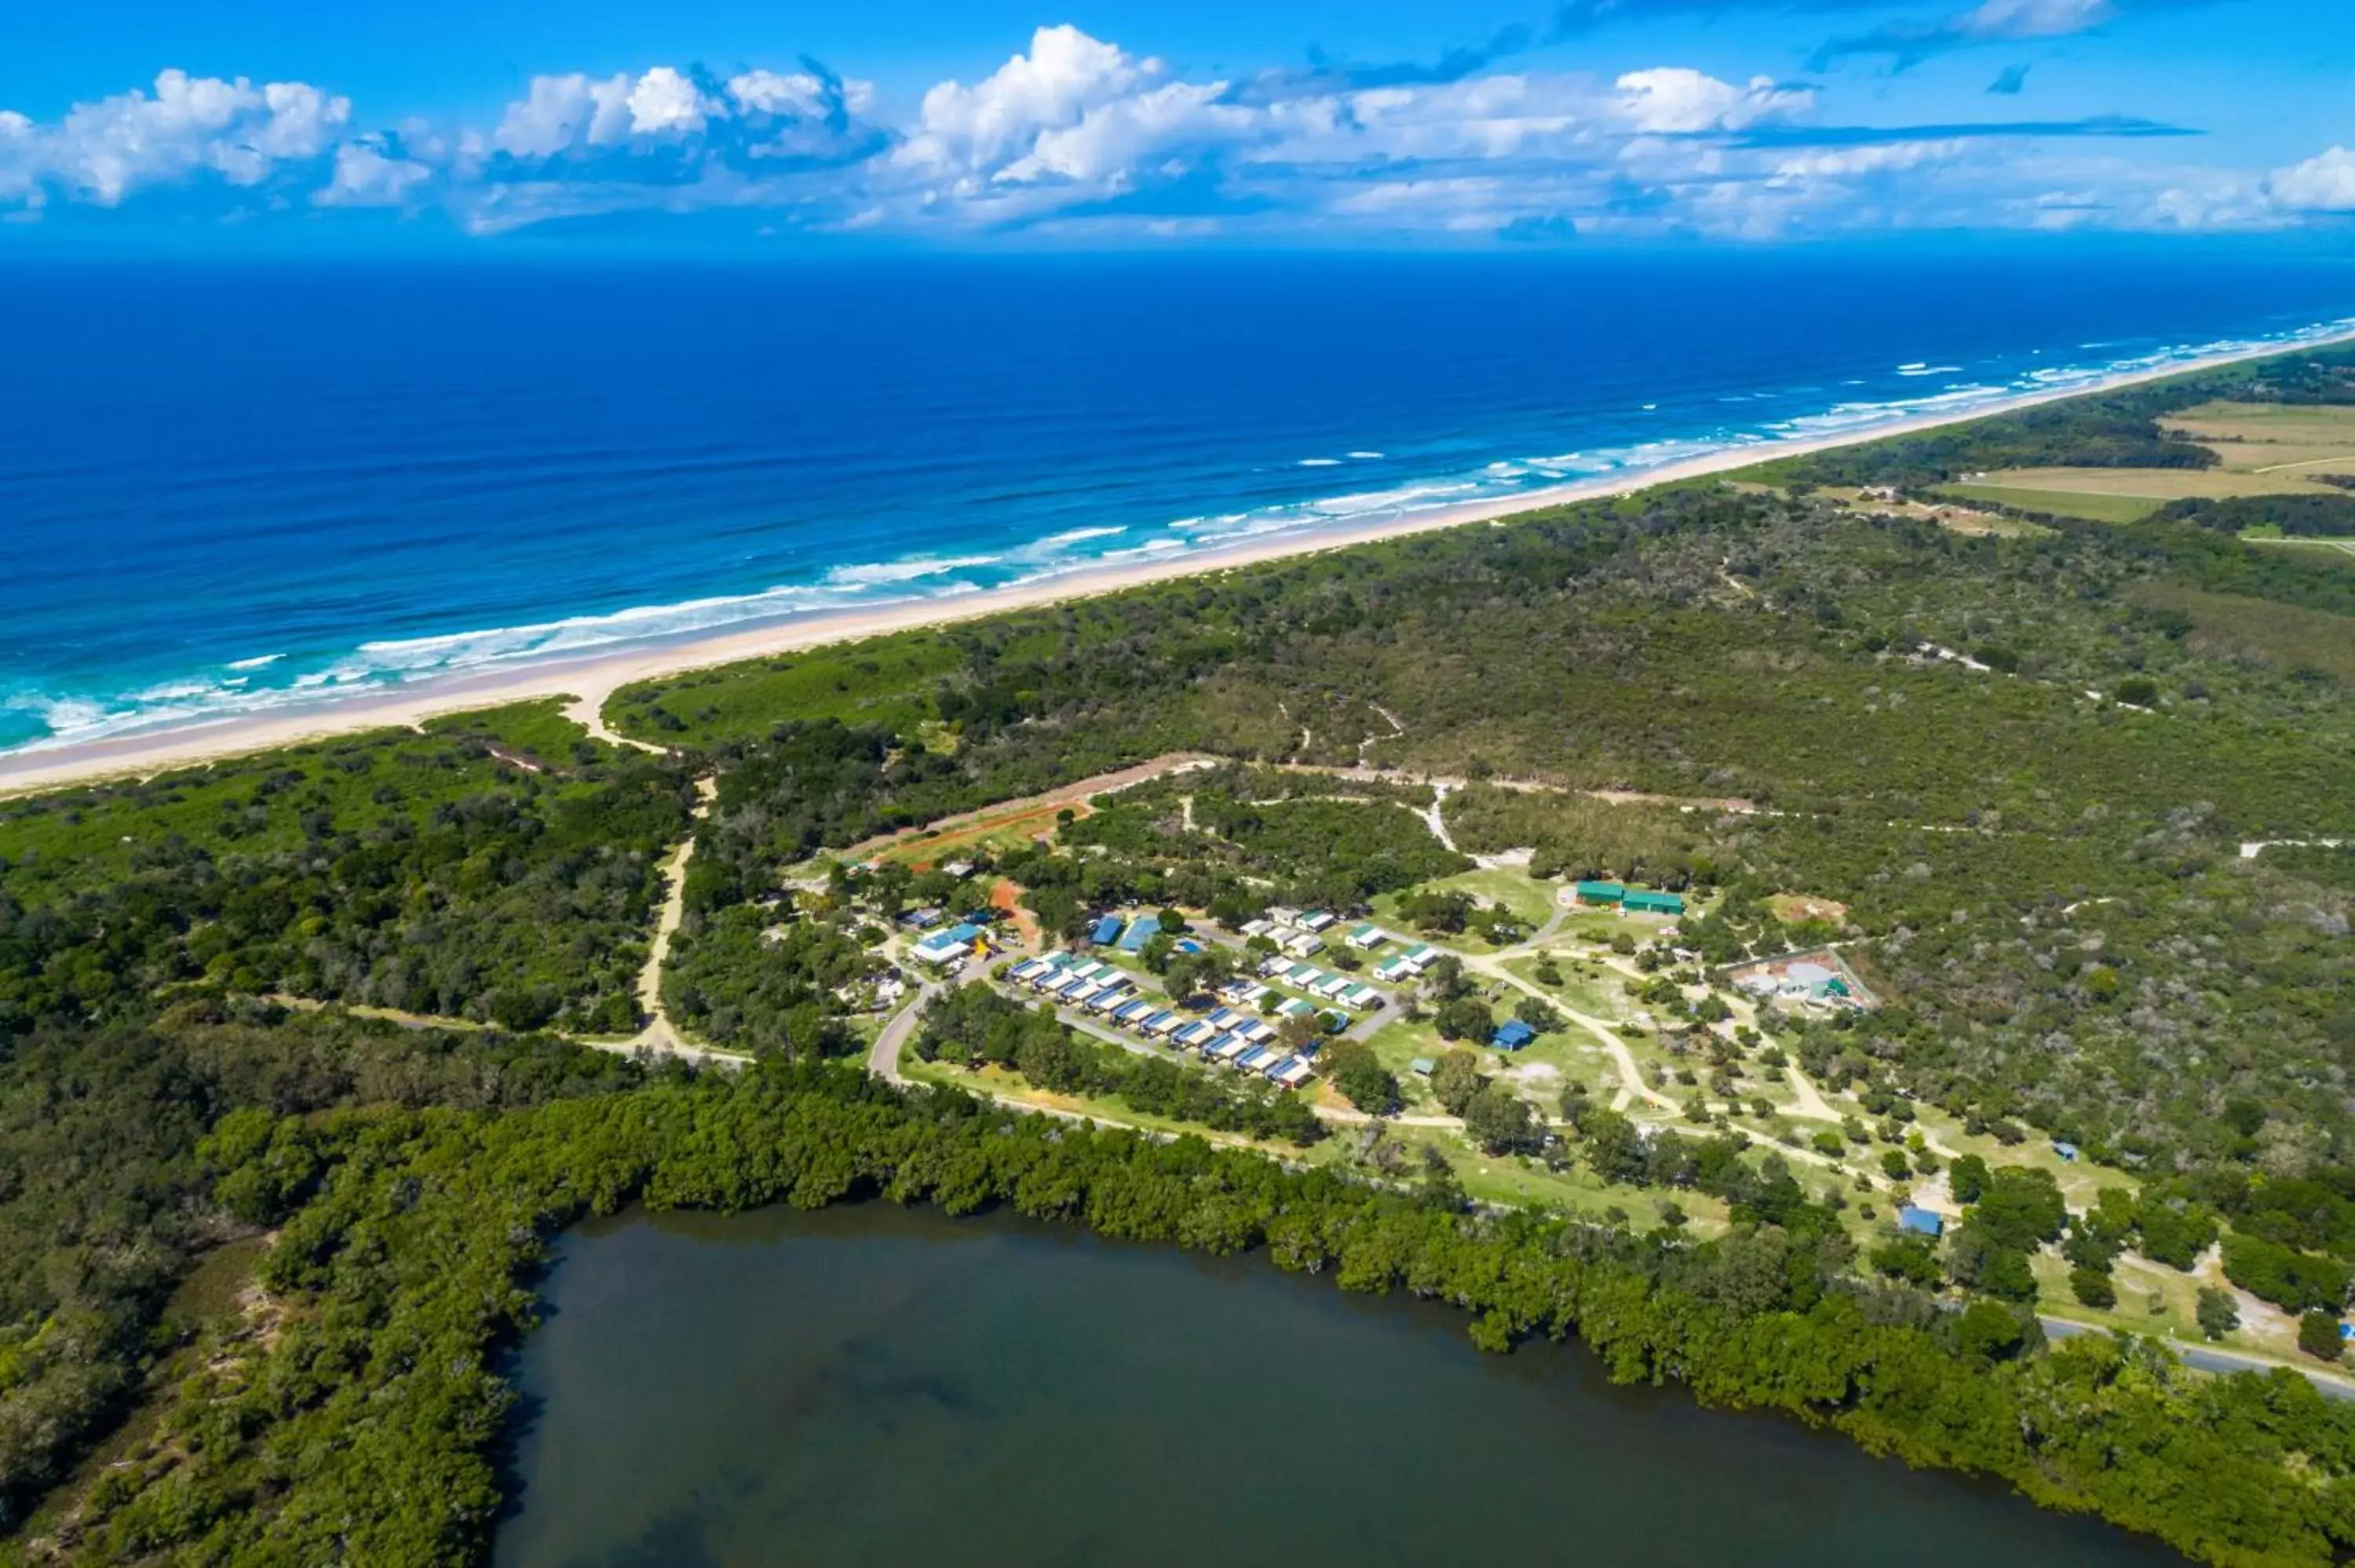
1006, 898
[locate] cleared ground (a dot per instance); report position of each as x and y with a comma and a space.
2275, 441
2266, 450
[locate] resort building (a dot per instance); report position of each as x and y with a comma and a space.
953, 945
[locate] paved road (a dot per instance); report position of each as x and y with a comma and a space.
2209, 1359
883, 1059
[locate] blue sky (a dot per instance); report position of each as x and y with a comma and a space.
978, 122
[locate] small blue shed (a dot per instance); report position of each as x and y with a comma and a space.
1106, 931
1512, 1034
1920, 1223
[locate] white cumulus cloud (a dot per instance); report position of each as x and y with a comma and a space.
366, 175
186, 127
1677, 99
999, 119
2324, 182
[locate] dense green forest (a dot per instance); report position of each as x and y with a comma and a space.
459, 872
2021, 770
361, 1430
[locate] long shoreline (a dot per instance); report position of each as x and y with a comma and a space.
589, 680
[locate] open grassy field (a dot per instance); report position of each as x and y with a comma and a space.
2277, 441
2059, 502
2123, 495
2264, 450
995, 831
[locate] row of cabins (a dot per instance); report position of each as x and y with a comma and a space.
1234, 1039
1334, 987
1634, 900
1409, 965
1297, 933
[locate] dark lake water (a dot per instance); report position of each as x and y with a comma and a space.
871, 1385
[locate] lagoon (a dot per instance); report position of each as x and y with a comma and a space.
871, 1384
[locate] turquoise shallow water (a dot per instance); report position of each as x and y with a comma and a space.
876, 1385
226, 488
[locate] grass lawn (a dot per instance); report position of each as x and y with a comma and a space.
2128, 495
1530, 901
1585, 987
2059, 502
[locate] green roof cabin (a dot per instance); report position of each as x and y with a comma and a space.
1600, 892
1653, 903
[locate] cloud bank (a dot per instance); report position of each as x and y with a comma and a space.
1077, 137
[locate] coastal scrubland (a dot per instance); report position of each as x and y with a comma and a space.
2064, 798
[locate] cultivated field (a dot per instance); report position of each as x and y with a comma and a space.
2277, 441
2266, 450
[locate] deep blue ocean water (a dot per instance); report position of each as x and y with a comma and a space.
225, 487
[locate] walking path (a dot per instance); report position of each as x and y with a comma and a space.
1063, 795
658, 1035
590, 715
1631, 1077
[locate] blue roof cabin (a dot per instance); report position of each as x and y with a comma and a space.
1106, 931
1920, 1223
1512, 1034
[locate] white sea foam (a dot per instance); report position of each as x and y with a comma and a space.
904, 571
1318, 462
1366, 457
1077, 535
255, 664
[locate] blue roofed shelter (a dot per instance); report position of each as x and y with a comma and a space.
1920, 1223
1105, 930
1512, 1034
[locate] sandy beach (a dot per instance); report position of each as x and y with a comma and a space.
590, 679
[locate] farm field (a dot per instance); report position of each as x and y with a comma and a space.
2263, 449
2274, 440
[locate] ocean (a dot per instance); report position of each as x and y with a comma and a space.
230, 487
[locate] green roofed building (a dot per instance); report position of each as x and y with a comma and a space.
1600, 892
1653, 903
